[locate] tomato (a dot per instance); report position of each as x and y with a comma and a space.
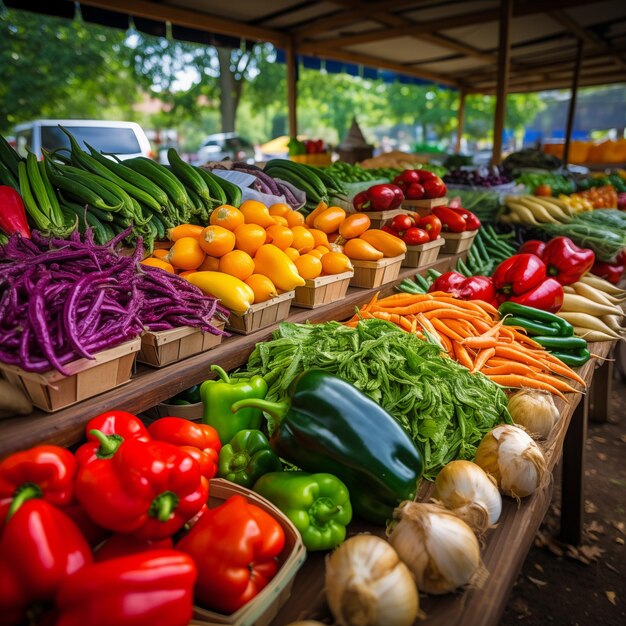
543, 190
431, 224
415, 237
435, 188
401, 222
415, 191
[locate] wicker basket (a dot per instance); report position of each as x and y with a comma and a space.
424, 254
262, 609
371, 274
52, 391
261, 315
458, 242
169, 346
322, 290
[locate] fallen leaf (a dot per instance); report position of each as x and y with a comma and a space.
623, 438
595, 527
619, 526
599, 439
613, 569
519, 606
590, 507
591, 552
536, 581
601, 456
619, 540
611, 597
617, 482
538, 567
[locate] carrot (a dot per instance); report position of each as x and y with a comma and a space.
462, 304
458, 326
443, 329
482, 357
446, 314
481, 341
486, 307
518, 355
480, 325
403, 298
509, 368
462, 356
421, 307
515, 380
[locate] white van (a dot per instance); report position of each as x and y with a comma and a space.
125, 140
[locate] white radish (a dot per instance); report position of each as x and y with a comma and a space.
581, 304
587, 322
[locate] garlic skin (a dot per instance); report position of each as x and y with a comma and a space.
513, 459
368, 585
470, 493
534, 410
440, 549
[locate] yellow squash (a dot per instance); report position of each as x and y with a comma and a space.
234, 293
278, 267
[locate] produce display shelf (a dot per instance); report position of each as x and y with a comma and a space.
506, 546
149, 387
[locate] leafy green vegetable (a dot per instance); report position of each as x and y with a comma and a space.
445, 409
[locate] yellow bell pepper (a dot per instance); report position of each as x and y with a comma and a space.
234, 293
272, 262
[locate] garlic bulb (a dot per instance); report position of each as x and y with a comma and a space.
535, 411
440, 549
470, 493
368, 585
513, 459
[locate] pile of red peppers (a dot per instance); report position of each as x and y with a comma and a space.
420, 184
95, 537
413, 229
379, 198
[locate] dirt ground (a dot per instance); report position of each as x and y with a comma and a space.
583, 586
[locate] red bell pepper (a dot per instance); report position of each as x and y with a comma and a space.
447, 282
378, 198
123, 545
149, 489
40, 547
431, 224
533, 246
472, 288
147, 589
117, 426
450, 219
471, 221
566, 261
199, 440
235, 546
609, 271
46, 472
435, 187
547, 296
93, 533
414, 191
519, 274
407, 177
12, 212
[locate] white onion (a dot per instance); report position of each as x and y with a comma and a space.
535, 411
470, 493
513, 459
368, 585
440, 549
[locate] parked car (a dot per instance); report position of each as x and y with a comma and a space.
225, 146
125, 140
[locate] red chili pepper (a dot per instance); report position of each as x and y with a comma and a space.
609, 271
472, 222
40, 547
235, 546
431, 224
149, 489
450, 219
566, 261
199, 440
46, 472
547, 296
533, 246
519, 274
12, 212
123, 545
143, 589
117, 426
415, 237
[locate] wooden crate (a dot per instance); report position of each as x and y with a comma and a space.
425, 253
263, 608
458, 242
322, 290
261, 315
371, 274
52, 390
424, 206
192, 412
169, 346
379, 218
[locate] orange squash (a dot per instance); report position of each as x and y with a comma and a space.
328, 221
354, 225
360, 250
256, 213
186, 254
335, 263
184, 230
227, 216
388, 244
217, 240
160, 263
309, 266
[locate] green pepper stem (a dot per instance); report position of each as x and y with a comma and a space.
109, 444
278, 410
28, 491
323, 511
163, 506
221, 374
239, 462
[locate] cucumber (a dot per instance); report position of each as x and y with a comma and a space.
188, 175
9, 157
162, 177
231, 191
215, 188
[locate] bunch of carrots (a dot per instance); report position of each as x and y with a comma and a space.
471, 333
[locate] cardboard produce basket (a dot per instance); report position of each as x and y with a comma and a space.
458, 242
425, 253
169, 346
51, 391
322, 290
261, 315
263, 608
379, 218
371, 274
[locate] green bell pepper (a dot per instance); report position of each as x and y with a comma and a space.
330, 426
317, 504
220, 394
247, 457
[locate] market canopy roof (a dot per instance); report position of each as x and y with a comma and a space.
451, 42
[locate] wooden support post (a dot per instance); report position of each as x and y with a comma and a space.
601, 390
504, 50
571, 111
292, 87
461, 120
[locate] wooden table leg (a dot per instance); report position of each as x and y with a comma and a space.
572, 487
600, 392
